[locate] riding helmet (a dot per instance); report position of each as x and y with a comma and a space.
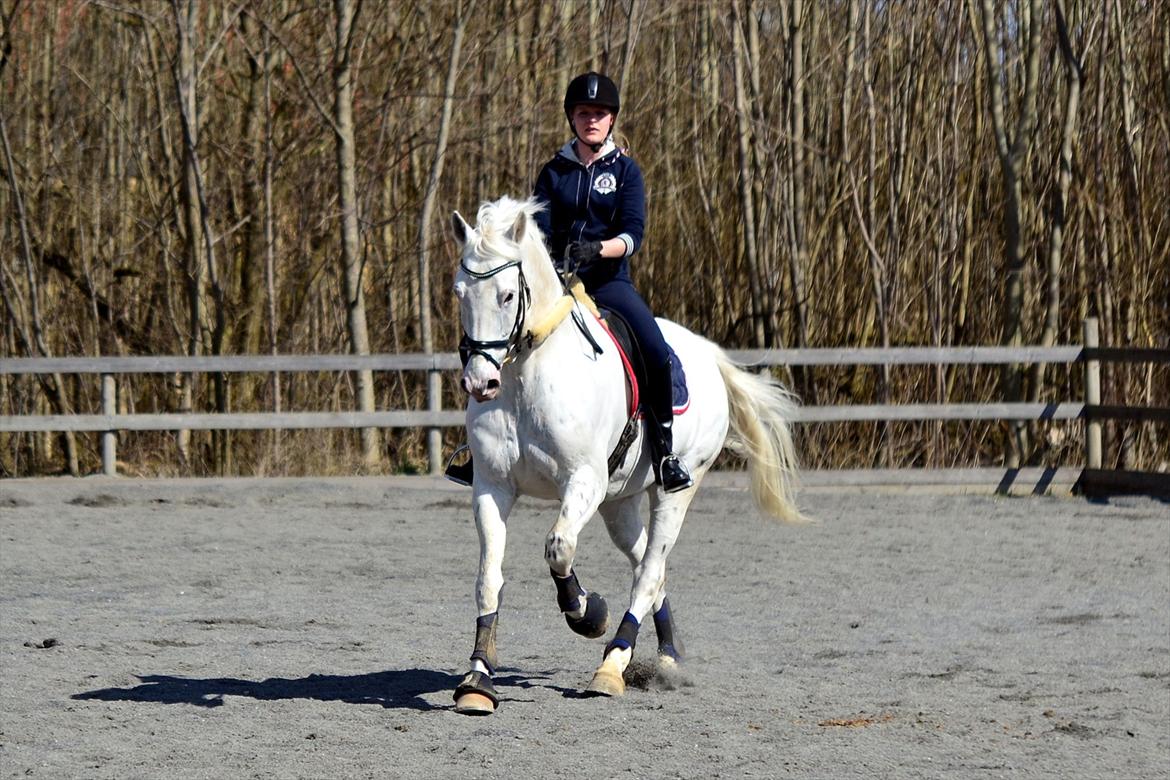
592, 88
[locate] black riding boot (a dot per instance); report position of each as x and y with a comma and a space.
671, 472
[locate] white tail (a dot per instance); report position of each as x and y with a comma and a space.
761, 409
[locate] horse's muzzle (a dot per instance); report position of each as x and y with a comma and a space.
480, 389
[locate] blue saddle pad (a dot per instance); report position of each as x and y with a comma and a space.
678, 383
680, 394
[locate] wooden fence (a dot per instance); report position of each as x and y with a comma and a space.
1089, 409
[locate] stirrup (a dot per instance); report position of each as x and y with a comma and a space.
462, 473
673, 475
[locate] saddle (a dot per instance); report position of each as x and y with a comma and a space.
635, 371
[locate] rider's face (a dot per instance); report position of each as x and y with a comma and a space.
592, 123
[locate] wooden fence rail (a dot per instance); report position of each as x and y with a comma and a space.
108, 423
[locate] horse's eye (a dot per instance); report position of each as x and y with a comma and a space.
508, 296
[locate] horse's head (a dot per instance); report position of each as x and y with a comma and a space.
501, 262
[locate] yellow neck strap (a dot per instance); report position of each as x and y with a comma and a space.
557, 313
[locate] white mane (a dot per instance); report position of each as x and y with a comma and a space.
494, 222
495, 219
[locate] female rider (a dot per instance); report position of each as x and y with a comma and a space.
595, 210
593, 221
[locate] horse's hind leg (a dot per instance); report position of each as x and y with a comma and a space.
586, 613
667, 512
623, 520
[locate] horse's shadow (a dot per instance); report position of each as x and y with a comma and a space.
395, 689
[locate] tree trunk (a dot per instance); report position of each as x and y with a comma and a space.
1012, 148
352, 260
434, 383
746, 200
1055, 254
36, 339
195, 261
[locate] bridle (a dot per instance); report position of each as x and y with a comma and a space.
513, 344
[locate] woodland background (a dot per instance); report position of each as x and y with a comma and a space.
276, 176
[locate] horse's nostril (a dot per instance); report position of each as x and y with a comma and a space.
493, 384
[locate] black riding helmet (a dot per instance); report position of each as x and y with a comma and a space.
594, 89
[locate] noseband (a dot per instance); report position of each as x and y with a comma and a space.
513, 343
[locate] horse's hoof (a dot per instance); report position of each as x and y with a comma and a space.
473, 703
606, 682
595, 621
669, 674
476, 695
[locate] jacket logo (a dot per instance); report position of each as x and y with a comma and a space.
605, 183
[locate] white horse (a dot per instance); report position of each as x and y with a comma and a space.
545, 413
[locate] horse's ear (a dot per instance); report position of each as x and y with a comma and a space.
460, 226
516, 232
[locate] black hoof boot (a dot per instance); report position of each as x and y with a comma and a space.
595, 621
476, 695
668, 645
673, 475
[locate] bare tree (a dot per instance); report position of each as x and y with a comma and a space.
740, 60
1054, 256
34, 342
1012, 145
426, 216
352, 258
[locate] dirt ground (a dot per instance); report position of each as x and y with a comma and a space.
316, 628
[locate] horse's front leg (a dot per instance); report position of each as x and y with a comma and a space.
476, 695
585, 612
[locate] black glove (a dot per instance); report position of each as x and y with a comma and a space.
581, 254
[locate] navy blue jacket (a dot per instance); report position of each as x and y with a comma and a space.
606, 200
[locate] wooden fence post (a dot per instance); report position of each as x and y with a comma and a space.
435, 435
1092, 396
110, 437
